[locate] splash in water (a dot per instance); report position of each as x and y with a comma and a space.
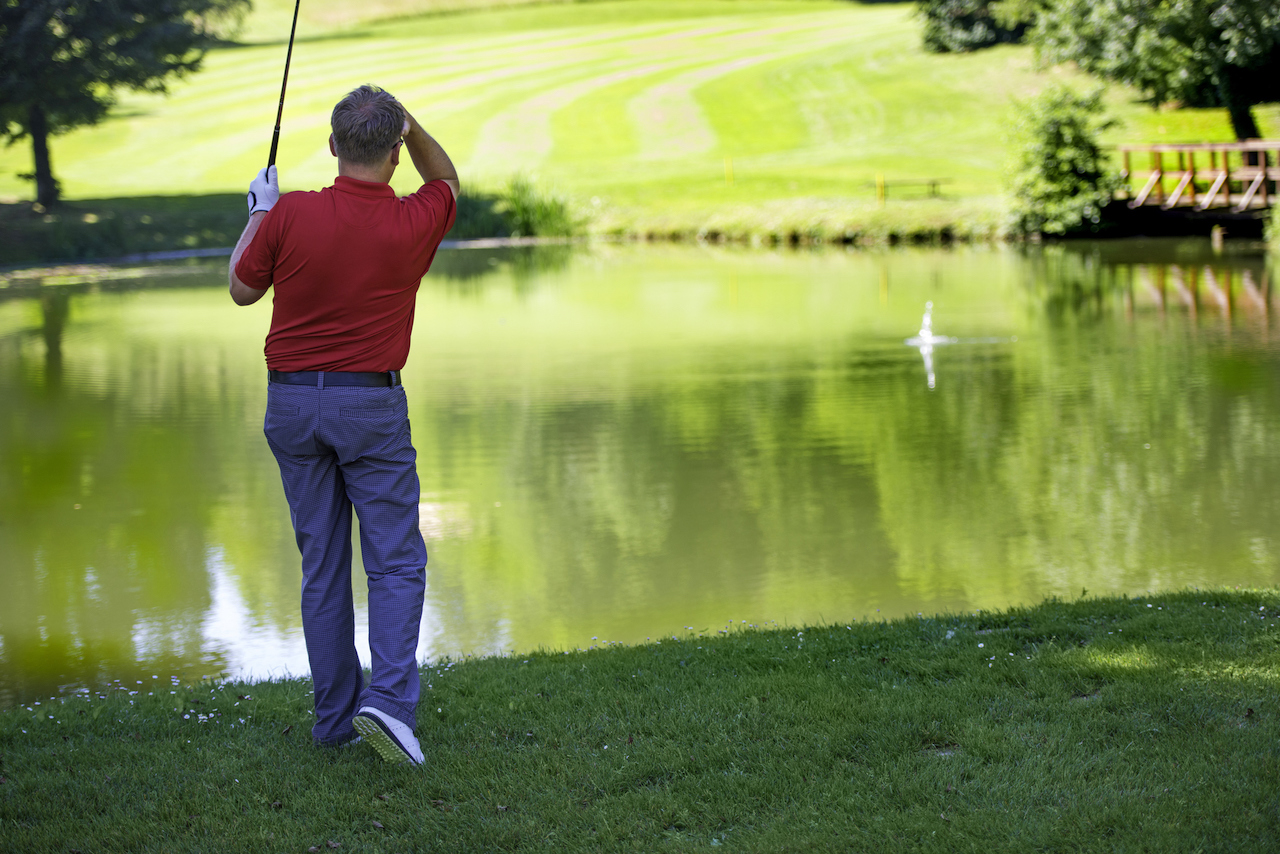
925, 341
926, 322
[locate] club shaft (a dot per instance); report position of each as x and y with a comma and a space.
288, 57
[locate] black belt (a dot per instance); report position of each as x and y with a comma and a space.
324, 378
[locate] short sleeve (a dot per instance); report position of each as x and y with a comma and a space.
257, 265
437, 199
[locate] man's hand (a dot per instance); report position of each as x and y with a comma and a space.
264, 191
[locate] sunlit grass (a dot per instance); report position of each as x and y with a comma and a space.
1053, 727
650, 117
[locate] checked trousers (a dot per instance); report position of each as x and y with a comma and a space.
342, 448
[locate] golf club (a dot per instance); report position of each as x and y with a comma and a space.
275, 138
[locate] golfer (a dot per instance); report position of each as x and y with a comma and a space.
346, 263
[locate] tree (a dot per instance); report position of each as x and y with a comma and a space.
1207, 53
1060, 177
62, 60
957, 26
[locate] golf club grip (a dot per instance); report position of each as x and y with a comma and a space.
284, 84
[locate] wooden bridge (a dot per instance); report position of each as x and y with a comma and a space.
1239, 176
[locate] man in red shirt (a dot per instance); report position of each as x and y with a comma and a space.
346, 263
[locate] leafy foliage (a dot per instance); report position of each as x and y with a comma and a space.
1060, 176
61, 60
957, 26
1220, 54
531, 212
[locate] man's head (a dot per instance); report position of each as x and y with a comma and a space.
366, 124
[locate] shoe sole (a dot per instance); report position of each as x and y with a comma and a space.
383, 742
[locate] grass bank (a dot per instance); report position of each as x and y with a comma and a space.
1115, 724
96, 229
768, 120
111, 228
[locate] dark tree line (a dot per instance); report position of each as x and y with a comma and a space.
957, 26
61, 61
1202, 53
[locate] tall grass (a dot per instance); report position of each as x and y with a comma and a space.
94, 229
532, 211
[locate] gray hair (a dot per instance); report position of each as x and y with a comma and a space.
366, 125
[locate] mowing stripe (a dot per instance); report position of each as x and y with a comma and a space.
635, 102
669, 121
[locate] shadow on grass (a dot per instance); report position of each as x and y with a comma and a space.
88, 229
345, 35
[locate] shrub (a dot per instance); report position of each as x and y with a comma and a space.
478, 216
532, 212
520, 209
1060, 181
957, 26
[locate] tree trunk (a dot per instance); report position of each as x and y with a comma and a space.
1238, 109
47, 190
1242, 121
56, 308
1233, 90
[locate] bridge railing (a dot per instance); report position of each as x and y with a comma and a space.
1235, 175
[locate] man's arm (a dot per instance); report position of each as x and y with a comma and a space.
264, 192
241, 293
428, 157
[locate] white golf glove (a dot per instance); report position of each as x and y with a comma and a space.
264, 191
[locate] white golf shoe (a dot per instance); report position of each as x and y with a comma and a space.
393, 740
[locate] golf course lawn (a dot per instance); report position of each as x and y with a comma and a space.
649, 115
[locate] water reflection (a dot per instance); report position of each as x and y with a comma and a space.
622, 442
1185, 276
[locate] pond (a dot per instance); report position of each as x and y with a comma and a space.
621, 443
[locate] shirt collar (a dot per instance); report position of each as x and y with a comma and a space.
363, 188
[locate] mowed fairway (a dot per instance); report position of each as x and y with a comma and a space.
640, 111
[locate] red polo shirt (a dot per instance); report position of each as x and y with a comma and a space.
346, 263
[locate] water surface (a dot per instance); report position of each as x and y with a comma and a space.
624, 443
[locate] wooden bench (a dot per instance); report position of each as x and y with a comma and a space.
932, 185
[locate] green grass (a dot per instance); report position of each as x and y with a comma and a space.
111, 228
96, 229
635, 111
1119, 724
